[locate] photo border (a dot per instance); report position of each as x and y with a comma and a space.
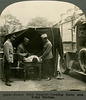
11, 95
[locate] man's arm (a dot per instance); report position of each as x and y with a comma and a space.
48, 49
6, 51
19, 52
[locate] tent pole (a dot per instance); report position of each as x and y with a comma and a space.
53, 51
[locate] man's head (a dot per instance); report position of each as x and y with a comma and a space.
44, 37
26, 40
12, 37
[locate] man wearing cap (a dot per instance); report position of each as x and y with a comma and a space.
8, 58
21, 50
47, 57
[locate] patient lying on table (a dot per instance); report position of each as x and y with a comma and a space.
32, 58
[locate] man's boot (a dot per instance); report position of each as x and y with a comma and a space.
8, 84
11, 81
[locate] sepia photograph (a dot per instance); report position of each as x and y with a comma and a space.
42, 47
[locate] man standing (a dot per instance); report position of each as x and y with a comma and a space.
8, 57
47, 57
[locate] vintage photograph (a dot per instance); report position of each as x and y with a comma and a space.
42, 47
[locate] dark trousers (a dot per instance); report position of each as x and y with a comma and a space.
7, 71
47, 68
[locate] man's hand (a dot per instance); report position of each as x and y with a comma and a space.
29, 54
40, 58
24, 54
10, 60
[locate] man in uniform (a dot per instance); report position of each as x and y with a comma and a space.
8, 57
21, 50
47, 57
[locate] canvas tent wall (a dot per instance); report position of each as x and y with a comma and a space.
35, 45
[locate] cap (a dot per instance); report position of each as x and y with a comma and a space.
44, 36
